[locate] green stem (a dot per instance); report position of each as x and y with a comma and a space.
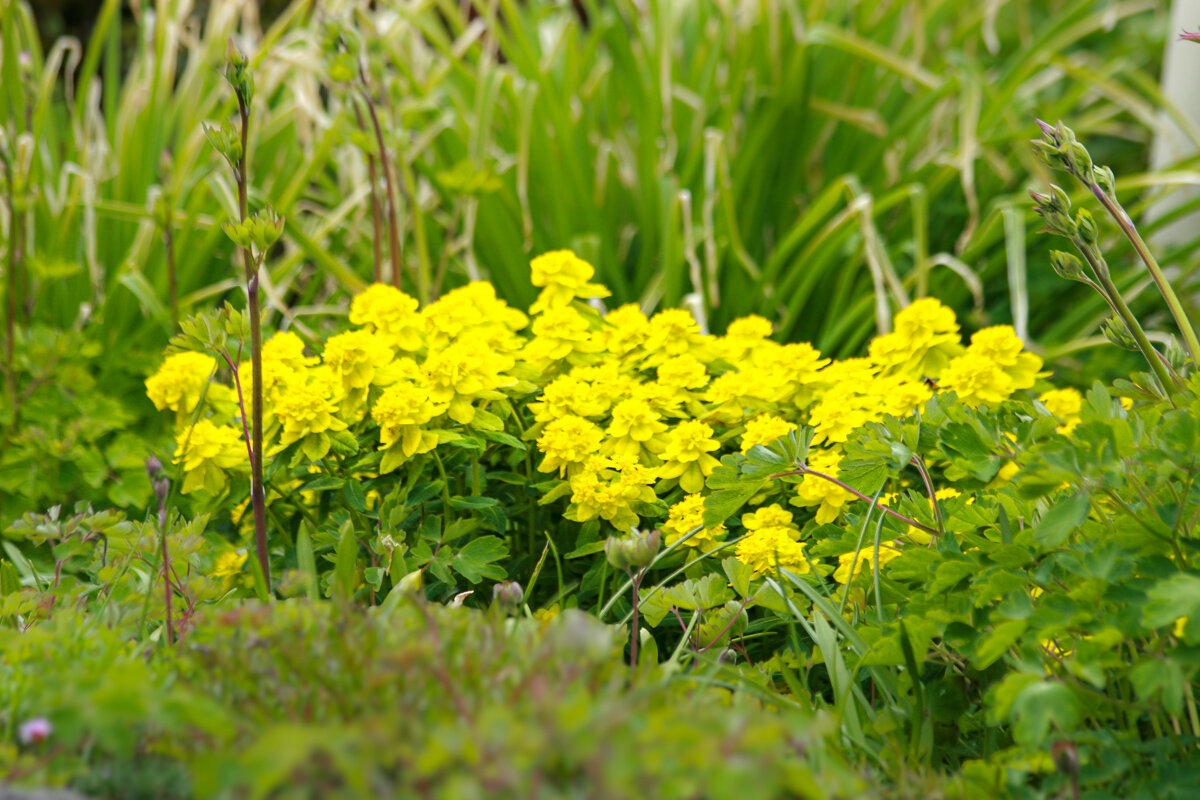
257, 495
1100, 268
1130, 230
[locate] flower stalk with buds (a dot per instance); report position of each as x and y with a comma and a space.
1059, 148
633, 555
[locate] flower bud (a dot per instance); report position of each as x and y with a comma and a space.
632, 552
237, 72
35, 731
412, 583
1066, 265
1106, 180
508, 595
1117, 332
1085, 224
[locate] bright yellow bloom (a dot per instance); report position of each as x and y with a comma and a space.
564, 277
669, 333
686, 516
924, 340
1064, 404
401, 411
179, 382
560, 333
358, 359
636, 431
473, 310
814, 491
785, 373
625, 330
287, 348
993, 367
207, 452
612, 491
392, 314
567, 394
772, 516
849, 566
765, 429
771, 547
682, 372
229, 564
568, 443
686, 454
307, 413
461, 373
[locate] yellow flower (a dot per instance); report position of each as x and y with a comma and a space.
625, 330
207, 452
849, 566
307, 413
358, 359
462, 372
229, 564
568, 443
993, 367
473, 310
770, 547
924, 340
765, 429
682, 372
400, 412
815, 491
287, 348
179, 382
684, 517
567, 394
686, 454
392, 314
772, 516
611, 490
1064, 404
560, 333
564, 277
635, 431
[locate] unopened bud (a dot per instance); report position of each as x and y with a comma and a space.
508, 595
1106, 180
1080, 161
633, 552
35, 731
1176, 356
1066, 265
1085, 224
1117, 332
412, 583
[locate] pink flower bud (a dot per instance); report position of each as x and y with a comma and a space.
35, 730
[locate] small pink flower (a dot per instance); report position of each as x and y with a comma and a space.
35, 730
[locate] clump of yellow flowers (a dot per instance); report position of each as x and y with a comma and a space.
626, 414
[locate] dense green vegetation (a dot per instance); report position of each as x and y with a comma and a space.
415, 400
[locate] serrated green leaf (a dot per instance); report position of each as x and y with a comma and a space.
1057, 524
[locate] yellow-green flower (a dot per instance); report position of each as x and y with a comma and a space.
401, 411
568, 443
564, 277
208, 452
229, 564
686, 454
686, 516
179, 382
1066, 404
307, 413
392, 314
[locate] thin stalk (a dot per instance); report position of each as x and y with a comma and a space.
169, 244
388, 179
633, 639
14, 258
257, 495
1130, 230
166, 563
376, 215
1100, 268
919, 463
859, 495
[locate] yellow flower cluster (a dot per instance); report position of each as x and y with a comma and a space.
629, 413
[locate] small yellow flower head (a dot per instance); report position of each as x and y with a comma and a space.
207, 452
462, 372
358, 359
772, 516
558, 334
670, 333
567, 394
390, 313
785, 373
682, 372
307, 412
994, 366
568, 442
229, 564
841, 411
473, 308
743, 337
179, 382
771, 547
563, 276
636, 431
610, 490
288, 349
686, 454
925, 338
684, 517
625, 330
765, 429
1064, 404
400, 412
814, 491
849, 566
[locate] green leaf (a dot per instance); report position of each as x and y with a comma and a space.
1041, 708
1172, 598
996, 643
1156, 675
738, 574
476, 560
473, 502
356, 498
306, 561
345, 570
1056, 525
